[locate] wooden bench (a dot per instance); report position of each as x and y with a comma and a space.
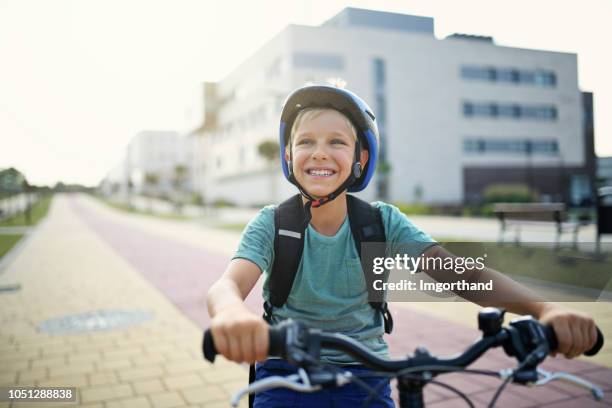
516, 215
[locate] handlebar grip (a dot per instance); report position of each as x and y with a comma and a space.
276, 346
208, 346
553, 343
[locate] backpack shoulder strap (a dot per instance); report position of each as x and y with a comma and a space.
366, 222
367, 227
289, 228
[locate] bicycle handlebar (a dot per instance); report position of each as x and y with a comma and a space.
521, 337
524, 338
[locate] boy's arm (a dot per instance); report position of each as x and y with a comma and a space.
575, 331
239, 334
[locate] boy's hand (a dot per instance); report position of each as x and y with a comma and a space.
576, 332
239, 335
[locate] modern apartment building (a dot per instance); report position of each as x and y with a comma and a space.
456, 115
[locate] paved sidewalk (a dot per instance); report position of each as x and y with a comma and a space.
64, 269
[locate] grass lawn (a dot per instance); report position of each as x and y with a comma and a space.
39, 211
7, 242
565, 266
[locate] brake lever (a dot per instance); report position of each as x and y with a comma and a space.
296, 382
548, 376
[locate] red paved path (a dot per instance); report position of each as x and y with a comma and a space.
184, 273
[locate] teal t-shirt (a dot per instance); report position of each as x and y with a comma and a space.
329, 291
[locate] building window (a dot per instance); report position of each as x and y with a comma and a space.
545, 78
381, 109
379, 73
547, 147
491, 74
508, 75
509, 111
482, 146
472, 72
468, 109
539, 112
541, 78
473, 146
313, 60
379, 79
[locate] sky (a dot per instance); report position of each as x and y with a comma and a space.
79, 78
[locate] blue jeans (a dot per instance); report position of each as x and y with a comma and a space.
348, 396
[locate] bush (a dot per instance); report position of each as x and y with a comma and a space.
485, 210
222, 202
196, 199
415, 209
509, 193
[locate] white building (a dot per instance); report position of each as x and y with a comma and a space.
456, 115
115, 182
157, 154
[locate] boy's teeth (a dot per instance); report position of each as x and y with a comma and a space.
320, 172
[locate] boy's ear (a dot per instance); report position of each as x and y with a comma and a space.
287, 158
363, 159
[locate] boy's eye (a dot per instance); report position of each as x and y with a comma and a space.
338, 141
303, 141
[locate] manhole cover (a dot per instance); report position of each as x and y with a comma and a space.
101, 320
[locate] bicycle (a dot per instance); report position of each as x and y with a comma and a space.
524, 338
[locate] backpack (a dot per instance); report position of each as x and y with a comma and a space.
366, 226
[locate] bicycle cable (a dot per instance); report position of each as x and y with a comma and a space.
455, 390
522, 365
371, 391
407, 373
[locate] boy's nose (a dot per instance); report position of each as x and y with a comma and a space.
319, 152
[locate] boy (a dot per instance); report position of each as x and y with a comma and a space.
329, 145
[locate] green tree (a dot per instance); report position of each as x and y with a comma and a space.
11, 181
27, 189
179, 177
151, 181
269, 150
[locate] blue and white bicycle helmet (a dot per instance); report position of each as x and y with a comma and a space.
358, 112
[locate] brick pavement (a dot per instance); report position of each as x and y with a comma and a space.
65, 268
181, 260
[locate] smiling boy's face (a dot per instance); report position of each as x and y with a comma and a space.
323, 148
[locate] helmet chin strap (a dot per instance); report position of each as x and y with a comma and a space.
318, 202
